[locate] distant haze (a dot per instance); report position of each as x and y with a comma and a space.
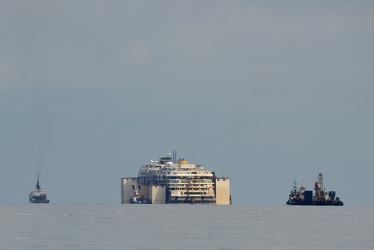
264, 93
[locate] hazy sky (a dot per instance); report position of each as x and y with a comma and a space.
263, 92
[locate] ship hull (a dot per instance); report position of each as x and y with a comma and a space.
36, 201
314, 203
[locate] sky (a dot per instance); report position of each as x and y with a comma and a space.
263, 92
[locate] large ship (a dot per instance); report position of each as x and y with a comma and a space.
38, 195
301, 196
171, 181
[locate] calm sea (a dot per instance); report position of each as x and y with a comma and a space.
101, 226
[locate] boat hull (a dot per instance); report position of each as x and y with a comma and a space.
314, 203
36, 201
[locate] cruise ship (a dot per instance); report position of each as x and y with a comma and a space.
171, 181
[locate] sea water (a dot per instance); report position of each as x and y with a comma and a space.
103, 226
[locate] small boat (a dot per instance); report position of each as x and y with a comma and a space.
38, 195
136, 198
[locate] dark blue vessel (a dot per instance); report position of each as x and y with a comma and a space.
302, 197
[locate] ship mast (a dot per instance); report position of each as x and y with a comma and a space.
320, 181
37, 183
318, 187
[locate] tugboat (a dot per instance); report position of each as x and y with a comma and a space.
305, 197
38, 195
136, 198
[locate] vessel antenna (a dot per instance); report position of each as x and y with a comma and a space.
320, 181
174, 156
37, 183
